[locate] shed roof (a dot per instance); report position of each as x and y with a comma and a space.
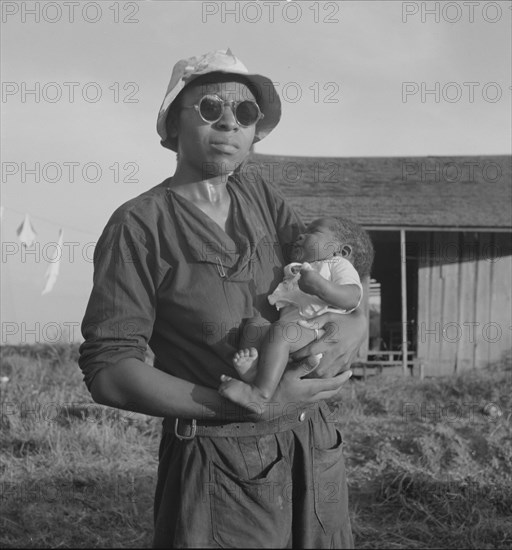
463, 192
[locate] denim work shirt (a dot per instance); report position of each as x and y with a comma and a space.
166, 275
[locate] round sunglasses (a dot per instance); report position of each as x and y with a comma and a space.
211, 108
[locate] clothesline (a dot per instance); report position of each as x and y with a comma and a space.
28, 236
57, 224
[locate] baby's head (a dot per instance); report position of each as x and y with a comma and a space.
328, 237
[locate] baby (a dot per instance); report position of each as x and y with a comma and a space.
334, 253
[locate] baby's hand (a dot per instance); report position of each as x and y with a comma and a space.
309, 280
293, 269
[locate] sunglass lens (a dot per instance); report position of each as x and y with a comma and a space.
210, 108
247, 113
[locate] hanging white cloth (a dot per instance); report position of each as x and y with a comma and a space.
26, 232
53, 269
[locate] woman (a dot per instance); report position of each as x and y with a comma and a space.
179, 268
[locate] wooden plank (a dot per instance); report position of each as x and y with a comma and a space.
499, 331
391, 355
416, 369
468, 296
437, 365
403, 287
394, 370
424, 287
430, 228
483, 302
383, 363
448, 256
362, 353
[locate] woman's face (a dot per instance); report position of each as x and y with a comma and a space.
213, 149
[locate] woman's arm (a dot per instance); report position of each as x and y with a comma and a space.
136, 386
339, 345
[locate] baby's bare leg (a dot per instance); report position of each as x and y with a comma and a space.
253, 332
284, 337
265, 376
274, 358
245, 360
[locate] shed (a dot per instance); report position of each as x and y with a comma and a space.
440, 293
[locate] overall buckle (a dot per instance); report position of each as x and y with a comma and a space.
192, 430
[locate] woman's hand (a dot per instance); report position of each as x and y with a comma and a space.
295, 391
343, 337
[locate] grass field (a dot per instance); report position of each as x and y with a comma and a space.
429, 462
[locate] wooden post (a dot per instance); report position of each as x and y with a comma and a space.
362, 354
404, 300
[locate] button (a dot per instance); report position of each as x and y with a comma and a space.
302, 416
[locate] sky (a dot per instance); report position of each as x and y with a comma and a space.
82, 83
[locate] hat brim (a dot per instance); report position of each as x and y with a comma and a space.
268, 101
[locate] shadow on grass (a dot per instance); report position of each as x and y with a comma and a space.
78, 513
415, 511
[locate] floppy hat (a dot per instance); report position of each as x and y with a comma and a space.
223, 61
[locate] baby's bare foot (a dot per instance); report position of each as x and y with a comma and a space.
241, 393
245, 362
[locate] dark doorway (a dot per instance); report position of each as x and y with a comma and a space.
387, 272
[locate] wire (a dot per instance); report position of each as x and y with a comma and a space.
64, 226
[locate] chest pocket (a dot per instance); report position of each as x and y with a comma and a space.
220, 276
